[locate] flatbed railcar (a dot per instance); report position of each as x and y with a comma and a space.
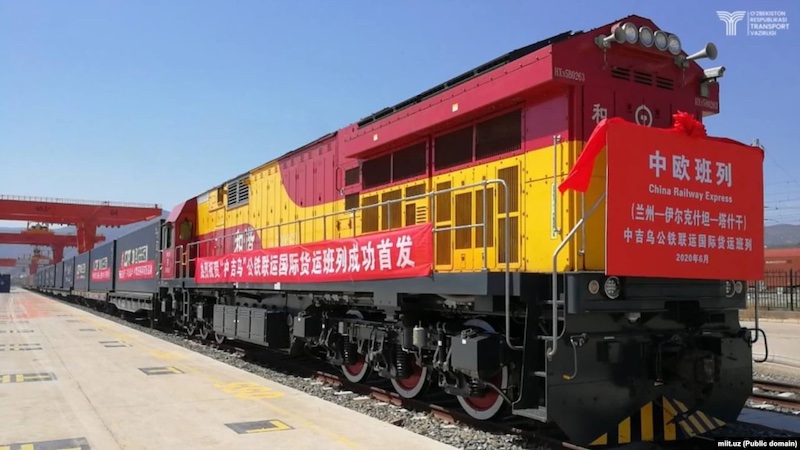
515, 312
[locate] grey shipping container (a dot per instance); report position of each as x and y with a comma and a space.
5, 283
69, 273
82, 271
101, 269
59, 281
138, 259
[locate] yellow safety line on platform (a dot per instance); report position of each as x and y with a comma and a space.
277, 426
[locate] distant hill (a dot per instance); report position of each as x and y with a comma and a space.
15, 251
782, 235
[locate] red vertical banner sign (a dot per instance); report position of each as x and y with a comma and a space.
679, 206
401, 253
168, 264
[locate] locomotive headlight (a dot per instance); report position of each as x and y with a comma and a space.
646, 36
738, 287
673, 44
660, 39
594, 287
729, 288
631, 33
612, 287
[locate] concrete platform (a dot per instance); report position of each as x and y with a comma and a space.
85, 382
784, 353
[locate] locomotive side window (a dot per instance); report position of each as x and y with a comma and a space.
351, 176
492, 137
502, 134
185, 230
166, 235
351, 201
408, 162
376, 172
453, 149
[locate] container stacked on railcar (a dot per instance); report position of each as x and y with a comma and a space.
101, 268
63, 278
120, 274
429, 243
59, 279
82, 273
69, 274
135, 269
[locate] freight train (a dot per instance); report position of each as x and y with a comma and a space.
550, 234
781, 268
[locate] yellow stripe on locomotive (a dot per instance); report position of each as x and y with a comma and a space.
662, 420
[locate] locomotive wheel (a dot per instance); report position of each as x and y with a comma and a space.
415, 384
359, 370
220, 338
490, 403
190, 329
203, 332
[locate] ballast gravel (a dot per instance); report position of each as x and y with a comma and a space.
456, 435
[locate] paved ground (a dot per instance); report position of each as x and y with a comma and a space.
783, 339
71, 377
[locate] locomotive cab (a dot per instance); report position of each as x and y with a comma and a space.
644, 330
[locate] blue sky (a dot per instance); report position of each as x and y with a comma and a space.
155, 102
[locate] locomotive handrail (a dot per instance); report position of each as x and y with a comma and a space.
554, 337
484, 184
554, 230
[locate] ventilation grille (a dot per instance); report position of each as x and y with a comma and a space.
645, 78
665, 83
238, 192
621, 73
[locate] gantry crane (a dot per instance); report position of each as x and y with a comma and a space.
41, 235
85, 215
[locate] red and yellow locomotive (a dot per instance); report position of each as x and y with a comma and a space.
429, 243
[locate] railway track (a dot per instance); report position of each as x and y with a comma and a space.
775, 393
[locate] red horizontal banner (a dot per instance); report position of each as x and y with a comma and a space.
683, 206
144, 270
401, 253
101, 274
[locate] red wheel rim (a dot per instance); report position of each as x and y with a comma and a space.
355, 368
488, 399
413, 380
